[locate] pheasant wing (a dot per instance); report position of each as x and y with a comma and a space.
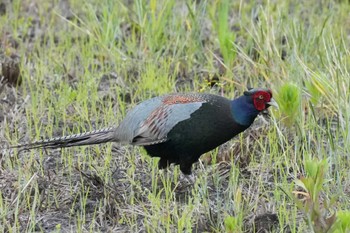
150, 122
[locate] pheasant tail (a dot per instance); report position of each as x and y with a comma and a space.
87, 138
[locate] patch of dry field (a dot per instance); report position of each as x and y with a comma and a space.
69, 67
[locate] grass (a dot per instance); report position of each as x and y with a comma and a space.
83, 65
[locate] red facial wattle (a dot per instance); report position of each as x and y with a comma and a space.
260, 99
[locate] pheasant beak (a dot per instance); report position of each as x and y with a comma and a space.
273, 103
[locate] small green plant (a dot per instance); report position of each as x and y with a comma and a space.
315, 205
342, 224
316, 214
231, 224
289, 101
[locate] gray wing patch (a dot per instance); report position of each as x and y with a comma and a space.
160, 121
126, 129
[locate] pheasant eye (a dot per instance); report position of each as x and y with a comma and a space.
261, 97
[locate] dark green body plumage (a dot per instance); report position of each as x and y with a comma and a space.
207, 128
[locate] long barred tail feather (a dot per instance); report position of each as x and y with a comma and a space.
87, 138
